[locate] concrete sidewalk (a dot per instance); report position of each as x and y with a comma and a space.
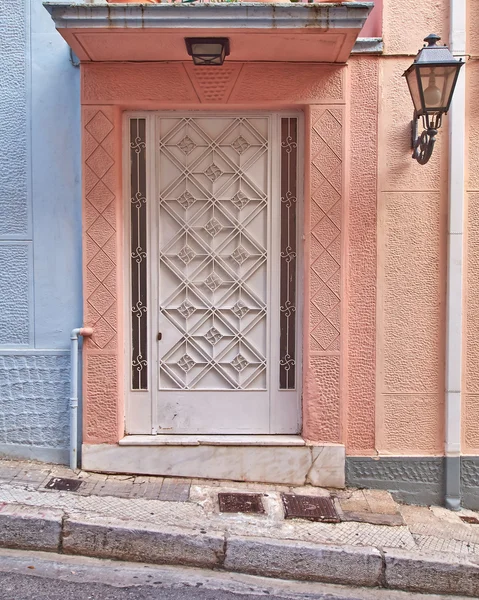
177, 521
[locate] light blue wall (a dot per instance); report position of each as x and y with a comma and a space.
40, 230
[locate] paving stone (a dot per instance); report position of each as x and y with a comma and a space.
175, 490
59, 471
207, 482
86, 488
31, 479
138, 489
153, 488
120, 489
373, 518
355, 502
417, 514
121, 477
98, 477
44, 482
98, 486
8, 473
380, 502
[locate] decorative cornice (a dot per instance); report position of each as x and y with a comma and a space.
368, 46
240, 15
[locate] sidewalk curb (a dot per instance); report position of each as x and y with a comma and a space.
27, 527
288, 559
30, 527
105, 537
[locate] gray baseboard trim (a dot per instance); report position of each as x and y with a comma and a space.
415, 480
58, 456
470, 482
418, 479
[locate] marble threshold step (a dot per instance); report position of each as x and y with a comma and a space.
276, 459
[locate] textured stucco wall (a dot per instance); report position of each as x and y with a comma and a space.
471, 274
361, 236
412, 222
40, 294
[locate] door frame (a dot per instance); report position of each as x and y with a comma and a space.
145, 404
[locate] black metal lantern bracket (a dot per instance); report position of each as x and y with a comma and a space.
431, 80
422, 145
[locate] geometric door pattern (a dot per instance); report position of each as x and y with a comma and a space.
213, 252
325, 240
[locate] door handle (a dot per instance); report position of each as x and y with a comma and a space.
159, 336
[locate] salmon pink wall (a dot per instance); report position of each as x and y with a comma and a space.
412, 228
322, 410
361, 222
319, 90
102, 215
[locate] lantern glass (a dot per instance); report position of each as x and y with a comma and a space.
208, 51
437, 84
413, 84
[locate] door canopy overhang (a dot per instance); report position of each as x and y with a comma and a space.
283, 32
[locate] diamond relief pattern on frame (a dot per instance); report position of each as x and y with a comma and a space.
326, 180
100, 244
99, 126
99, 162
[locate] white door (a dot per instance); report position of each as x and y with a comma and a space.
217, 274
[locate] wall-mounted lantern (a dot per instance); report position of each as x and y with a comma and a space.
431, 79
208, 51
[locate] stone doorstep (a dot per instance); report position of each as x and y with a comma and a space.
32, 528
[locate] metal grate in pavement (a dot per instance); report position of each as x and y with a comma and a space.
240, 503
63, 484
313, 508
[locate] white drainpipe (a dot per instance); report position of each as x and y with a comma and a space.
455, 235
83, 331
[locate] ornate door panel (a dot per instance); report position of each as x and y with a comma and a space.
216, 259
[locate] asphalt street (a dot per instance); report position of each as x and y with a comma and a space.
43, 576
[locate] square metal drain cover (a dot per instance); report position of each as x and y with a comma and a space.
63, 484
313, 508
240, 503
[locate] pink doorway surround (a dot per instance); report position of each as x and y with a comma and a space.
318, 90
